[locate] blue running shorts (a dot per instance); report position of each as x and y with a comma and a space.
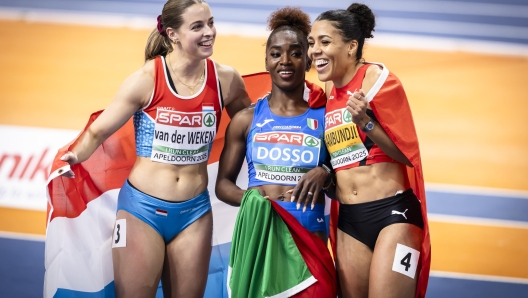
167, 218
312, 220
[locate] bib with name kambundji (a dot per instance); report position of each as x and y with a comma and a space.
175, 129
342, 138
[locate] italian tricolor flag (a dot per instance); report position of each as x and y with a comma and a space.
312, 123
272, 255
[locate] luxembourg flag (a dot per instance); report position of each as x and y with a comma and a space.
81, 212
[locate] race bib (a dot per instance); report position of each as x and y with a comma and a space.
342, 139
183, 137
284, 157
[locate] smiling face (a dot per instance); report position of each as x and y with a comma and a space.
197, 34
286, 59
331, 56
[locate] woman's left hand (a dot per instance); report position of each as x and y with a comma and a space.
357, 106
309, 187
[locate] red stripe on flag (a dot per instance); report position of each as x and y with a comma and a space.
316, 255
162, 212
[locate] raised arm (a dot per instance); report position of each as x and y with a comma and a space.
233, 90
357, 106
232, 158
133, 94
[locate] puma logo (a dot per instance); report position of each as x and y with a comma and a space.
320, 220
264, 123
400, 213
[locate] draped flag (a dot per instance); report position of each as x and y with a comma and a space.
273, 255
81, 211
389, 104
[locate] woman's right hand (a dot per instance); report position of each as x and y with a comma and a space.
71, 159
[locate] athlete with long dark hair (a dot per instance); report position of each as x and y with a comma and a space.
382, 244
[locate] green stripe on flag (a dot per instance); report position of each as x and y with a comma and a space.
264, 259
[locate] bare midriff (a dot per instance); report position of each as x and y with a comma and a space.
369, 183
169, 182
275, 191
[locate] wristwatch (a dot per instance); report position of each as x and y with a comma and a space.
368, 127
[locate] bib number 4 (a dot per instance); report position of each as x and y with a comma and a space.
405, 260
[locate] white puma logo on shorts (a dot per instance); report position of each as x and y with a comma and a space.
400, 213
320, 220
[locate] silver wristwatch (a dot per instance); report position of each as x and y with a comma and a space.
368, 127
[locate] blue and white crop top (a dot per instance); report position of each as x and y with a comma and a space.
280, 150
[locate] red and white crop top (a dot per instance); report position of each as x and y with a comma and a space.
347, 145
178, 129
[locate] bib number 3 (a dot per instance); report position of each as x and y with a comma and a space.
405, 260
119, 238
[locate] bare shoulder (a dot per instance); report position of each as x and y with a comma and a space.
149, 66
144, 74
138, 86
244, 117
371, 77
233, 88
373, 72
225, 72
241, 123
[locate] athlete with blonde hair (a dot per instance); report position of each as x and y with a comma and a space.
176, 99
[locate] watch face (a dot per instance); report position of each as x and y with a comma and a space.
369, 126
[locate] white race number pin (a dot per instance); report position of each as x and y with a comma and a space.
119, 239
405, 260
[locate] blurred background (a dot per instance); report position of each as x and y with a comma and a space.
463, 65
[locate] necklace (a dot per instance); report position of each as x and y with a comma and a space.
191, 88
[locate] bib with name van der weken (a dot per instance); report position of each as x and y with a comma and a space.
177, 129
